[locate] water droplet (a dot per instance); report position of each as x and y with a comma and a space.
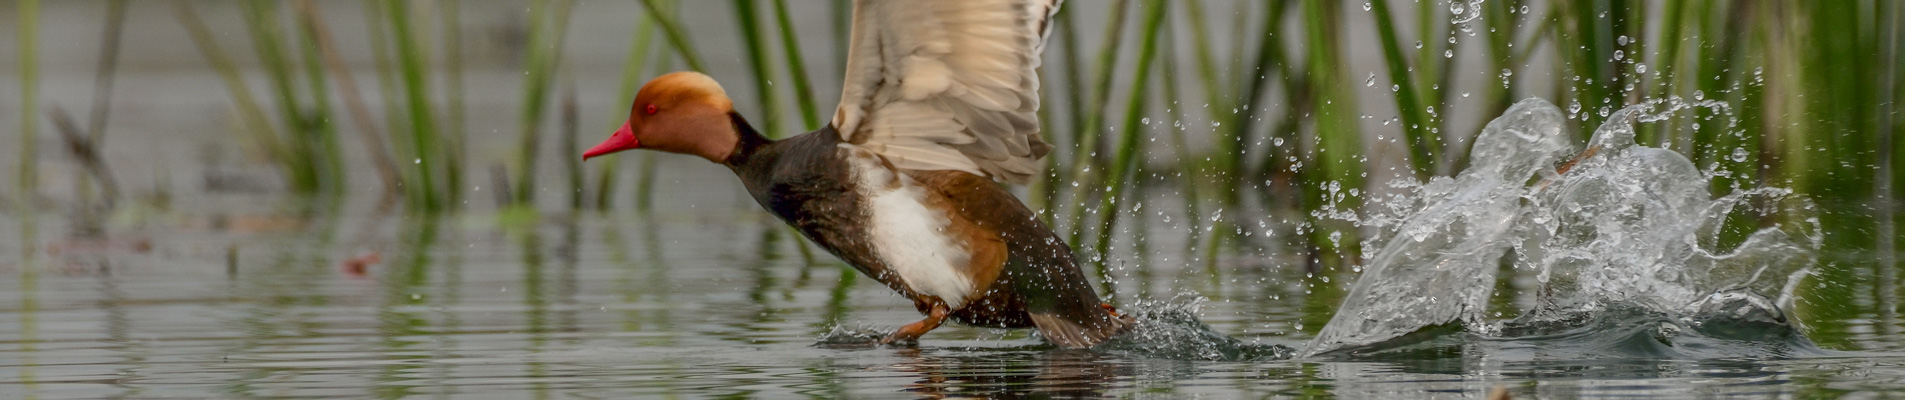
1372, 80
1640, 68
1465, 94
1621, 40
1418, 44
1739, 154
1448, 54
1144, 121
417, 161
1620, 55
1367, 6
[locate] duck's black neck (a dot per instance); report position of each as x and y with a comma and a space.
751, 141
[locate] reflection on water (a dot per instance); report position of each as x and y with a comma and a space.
712, 299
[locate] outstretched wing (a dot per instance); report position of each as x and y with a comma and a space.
947, 84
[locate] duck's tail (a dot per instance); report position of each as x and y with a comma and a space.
1077, 327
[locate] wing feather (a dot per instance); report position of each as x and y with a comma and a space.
947, 85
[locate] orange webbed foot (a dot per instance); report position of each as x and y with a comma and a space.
910, 333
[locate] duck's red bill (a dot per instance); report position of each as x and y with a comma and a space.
623, 139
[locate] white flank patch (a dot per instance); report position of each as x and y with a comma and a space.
910, 237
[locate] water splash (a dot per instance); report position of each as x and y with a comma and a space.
1165, 329
1171, 330
1621, 226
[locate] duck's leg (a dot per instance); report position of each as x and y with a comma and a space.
911, 332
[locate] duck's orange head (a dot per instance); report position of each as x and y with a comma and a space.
682, 112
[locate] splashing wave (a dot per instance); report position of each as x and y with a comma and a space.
1621, 234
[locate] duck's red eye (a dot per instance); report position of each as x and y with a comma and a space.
651, 109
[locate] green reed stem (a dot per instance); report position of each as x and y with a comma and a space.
757, 57
258, 125
1129, 148
455, 134
1503, 28
1085, 139
411, 64
267, 37
1187, 165
319, 36
29, 45
842, 15
1663, 66
1239, 28
1270, 62
95, 131
104, 73
1415, 119
676, 36
1717, 72
638, 57
1067, 30
389, 91
1339, 144
796, 68
1590, 90
572, 165
547, 29
330, 153
1206, 61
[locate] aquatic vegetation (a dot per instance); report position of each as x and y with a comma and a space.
28, 31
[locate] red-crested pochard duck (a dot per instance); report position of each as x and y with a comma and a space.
940, 100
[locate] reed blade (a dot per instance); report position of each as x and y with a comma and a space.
1415, 119
796, 68
548, 27
365, 123
29, 44
755, 44
676, 36
1129, 149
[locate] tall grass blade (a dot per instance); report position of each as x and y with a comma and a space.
390, 92
797, 68
548, 26
95, 131
572, 165
267, 37
1415, 119
638, 58
1046, 194
107, 69
1187, 165
424, 141
676, 36
329, 153
1271, 61
257, 125
1336, 170
1129, 148
365, 123
29, 44
1085, 138
455, 134
755, 44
